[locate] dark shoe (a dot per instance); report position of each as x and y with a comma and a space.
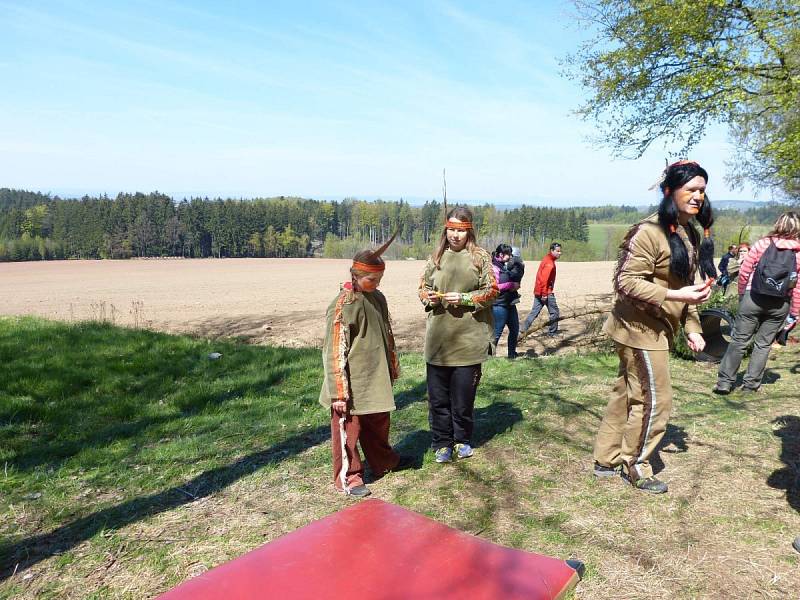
359, 491
796, 543
555, 334
746, 389
651, 485
721, 390
603, 471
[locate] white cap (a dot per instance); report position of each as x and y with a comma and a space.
515, 252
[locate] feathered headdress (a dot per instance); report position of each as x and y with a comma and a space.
448, 223
370, 261
667, 167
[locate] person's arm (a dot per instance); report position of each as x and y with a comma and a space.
749, 264
635, 271
487, 286
394, 362
543, 278
335, 350
426, 292
794, 306
507, 285
636, 267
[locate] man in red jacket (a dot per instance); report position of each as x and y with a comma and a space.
543, 292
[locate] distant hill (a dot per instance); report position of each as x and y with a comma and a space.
741, 205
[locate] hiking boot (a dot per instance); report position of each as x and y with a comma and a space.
604, 471
796, 543
651, 485
464, 450
721, 390
359, 491
444, 455
746, 389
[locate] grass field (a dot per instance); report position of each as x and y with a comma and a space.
604, 239
132, 461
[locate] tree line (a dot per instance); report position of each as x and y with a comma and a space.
35, 226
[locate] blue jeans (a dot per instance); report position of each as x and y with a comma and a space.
552, 309
506, 315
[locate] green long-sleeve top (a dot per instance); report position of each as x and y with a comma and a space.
358, 353
459, 335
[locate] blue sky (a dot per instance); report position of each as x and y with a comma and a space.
317, 99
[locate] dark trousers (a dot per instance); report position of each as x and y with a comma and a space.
540, 302
506, 315
760, 319
451, 403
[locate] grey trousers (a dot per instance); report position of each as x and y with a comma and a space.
552, 309
760, 318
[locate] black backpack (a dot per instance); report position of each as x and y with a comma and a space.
776, 272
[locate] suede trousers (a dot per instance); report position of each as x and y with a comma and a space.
637, 413
372, 432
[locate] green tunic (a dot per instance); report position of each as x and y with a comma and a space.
358, 353
459, 335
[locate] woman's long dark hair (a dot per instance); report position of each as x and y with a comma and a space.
676, 176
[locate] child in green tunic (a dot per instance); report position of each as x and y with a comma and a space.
360, 366
457, 289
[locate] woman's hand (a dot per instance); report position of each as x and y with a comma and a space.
696, 342
453, 298
690, 294
339, 407
433, 297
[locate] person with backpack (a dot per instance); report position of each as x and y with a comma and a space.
769, 300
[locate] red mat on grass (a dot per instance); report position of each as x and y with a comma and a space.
377, 550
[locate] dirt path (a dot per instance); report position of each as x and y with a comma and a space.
271, 301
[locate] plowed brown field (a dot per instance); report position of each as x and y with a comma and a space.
270, 301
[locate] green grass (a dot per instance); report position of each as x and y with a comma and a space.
604, 238
131, 461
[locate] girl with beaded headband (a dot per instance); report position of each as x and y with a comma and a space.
457, 289
654, 296
360, 364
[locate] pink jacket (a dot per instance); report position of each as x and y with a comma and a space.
750, 261
506, 286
